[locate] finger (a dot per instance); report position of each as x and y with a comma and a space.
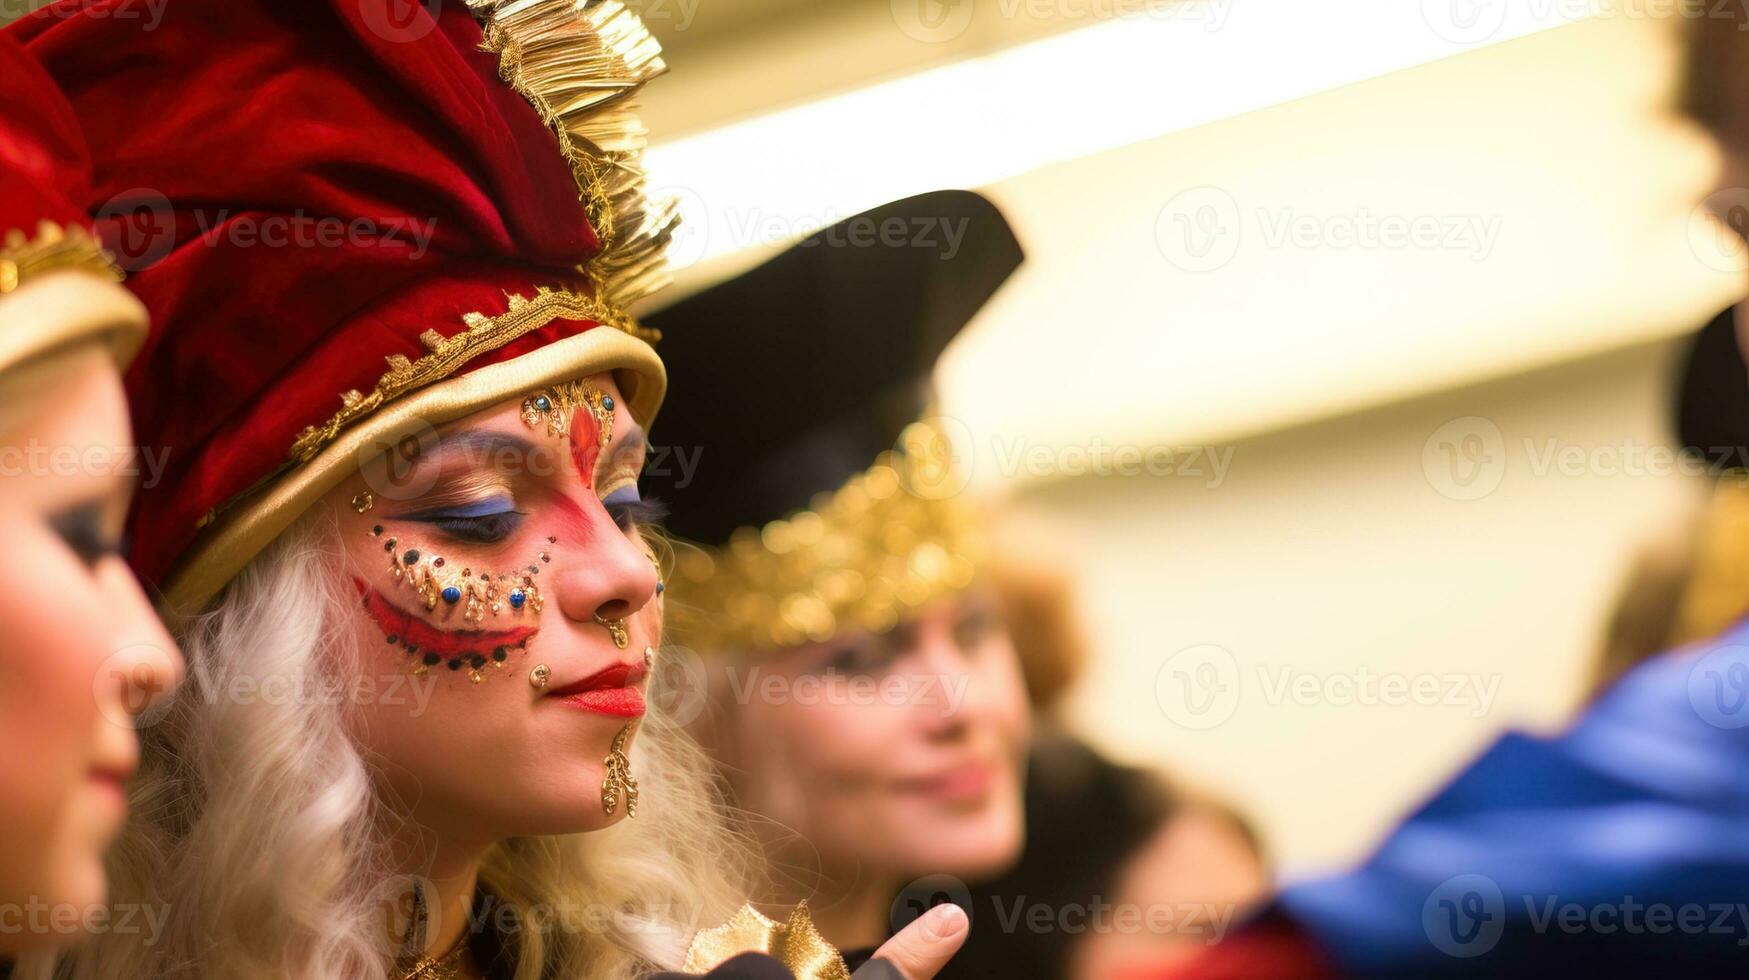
922, 948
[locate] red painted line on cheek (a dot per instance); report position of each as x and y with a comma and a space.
409, 630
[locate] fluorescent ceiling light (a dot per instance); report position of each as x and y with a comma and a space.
1172, 66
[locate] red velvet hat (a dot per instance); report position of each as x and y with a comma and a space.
57, 285
351, 220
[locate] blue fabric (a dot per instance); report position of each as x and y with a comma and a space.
1620, 848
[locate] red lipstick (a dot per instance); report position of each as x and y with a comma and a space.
611, 691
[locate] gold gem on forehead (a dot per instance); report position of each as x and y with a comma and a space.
552, 408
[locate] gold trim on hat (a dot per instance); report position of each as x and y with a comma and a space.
892, 540
53, 247
796, 944
66, 306
483, 333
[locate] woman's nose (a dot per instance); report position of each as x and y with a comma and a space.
145, 664
606, 576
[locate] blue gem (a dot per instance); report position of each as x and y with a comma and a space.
607, 402
543, 403
661, 586
452, 594
517, 598
411, 556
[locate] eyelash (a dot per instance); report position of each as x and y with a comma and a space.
484, 529
495, 527
636, 512
82, 531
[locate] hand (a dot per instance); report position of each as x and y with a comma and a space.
922, 948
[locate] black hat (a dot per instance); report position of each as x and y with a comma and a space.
808, 367
814, 370
1712, 410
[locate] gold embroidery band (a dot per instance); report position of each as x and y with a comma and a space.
892, 540
53, 247
447, 354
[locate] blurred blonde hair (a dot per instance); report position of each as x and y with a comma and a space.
257, 827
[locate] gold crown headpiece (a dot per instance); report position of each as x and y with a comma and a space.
892, 540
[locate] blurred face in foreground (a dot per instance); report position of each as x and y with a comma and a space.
81, 652
889, 756
497, 578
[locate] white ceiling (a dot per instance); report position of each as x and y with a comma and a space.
1553, 182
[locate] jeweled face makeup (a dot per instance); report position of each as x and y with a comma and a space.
503, 576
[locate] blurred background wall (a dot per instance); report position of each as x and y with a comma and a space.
1394, 482
1418, 465
1384, 298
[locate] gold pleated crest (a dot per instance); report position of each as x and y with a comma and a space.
796, 944
580, 63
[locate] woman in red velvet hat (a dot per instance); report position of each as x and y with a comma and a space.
81, 652
389, 251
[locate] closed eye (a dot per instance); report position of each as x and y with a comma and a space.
486, 522
81, 527
488, 529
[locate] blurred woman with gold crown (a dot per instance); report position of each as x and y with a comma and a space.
850, 615
82, 652
388, 251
